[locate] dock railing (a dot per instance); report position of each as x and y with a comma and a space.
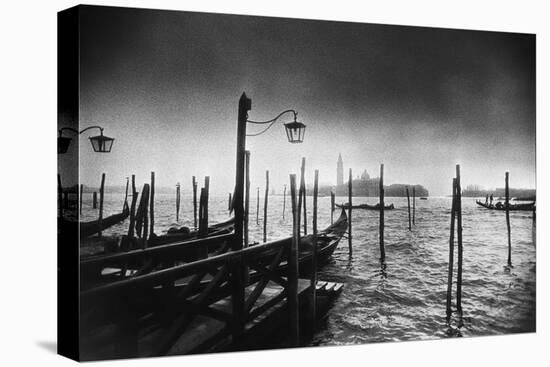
200, 285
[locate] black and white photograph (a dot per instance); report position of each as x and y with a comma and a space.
236, 183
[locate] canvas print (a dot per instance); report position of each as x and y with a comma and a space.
235, 183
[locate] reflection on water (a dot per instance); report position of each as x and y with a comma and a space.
402, 298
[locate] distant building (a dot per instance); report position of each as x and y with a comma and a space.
365, 176
339, 171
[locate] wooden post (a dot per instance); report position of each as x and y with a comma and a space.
265, 203
237, 271
257, 205
414, 205
141, 213
101, 195
152, 205
284, 201
178, 196
350, 192
59, 196
94, 200
80, 197
409, 207
313, 283
459, 241
451, 254
202, 228
293, 268
132, 208
229, 203
195, 202
381, 203
507, 204
303, 192
246, 195
126, 194
206, 198
332, 206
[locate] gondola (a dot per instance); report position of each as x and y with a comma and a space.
183, 234
366, 206
501, 206
87, 229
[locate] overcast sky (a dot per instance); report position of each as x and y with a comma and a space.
166, 86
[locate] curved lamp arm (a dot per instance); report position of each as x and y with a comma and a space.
271, 122
80, 132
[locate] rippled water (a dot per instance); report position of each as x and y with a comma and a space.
408, 300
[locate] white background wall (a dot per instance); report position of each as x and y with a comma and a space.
28, 166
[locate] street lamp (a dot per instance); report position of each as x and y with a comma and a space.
295, 133
100, 143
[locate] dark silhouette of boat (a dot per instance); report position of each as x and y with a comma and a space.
501, 206
365, 206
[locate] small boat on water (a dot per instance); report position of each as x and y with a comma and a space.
501, 206
87, 229
423, 198
365, 206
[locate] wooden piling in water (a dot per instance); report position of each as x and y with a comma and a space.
459, 241
284, 201
59, 196
178, 196
257, 205
350, 192
381, 228
265, 203
414, 206
451, 254
133, 208
80, 197
206, 198
142, 224
313, 283
303, 192
409, 207
229, 203
293, 267
332, 207
195, 202
152, 206
126, 193
101, 198
94, 200
246, 195
507, 204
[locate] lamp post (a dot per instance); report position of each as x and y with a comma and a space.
295, 134
100, 143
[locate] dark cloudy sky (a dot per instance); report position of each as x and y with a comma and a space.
166, 86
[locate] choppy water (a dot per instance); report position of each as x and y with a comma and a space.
408, 301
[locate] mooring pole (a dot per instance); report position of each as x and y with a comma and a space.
246, 195
229, 203
94, 200
126, 194
133, 208
195, 202
313, 283
302, 192
101, 195
332, 205
257, 205
237, 271
350, 191
409, 207
451, 254
459, 241
381, 203
507, 203
265, 203
293, 267
414, 205
152, 206
177, 202
284, 201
